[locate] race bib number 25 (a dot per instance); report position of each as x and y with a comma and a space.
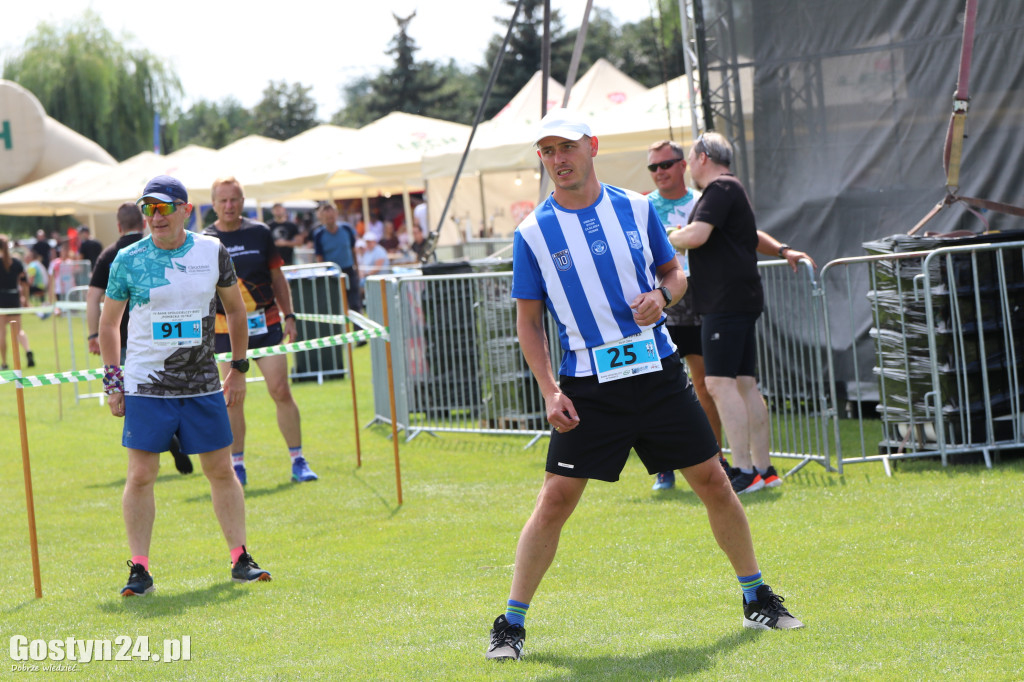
627, 357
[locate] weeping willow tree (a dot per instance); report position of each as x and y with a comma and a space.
92, 83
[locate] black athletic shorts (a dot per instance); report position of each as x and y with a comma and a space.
686, 338
273, 337
656, 414
730, 344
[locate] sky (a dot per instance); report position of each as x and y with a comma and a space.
220, 49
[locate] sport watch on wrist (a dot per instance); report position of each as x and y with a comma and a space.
240, 365
783, 248
667, 294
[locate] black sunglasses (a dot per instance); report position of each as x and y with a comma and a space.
664, 165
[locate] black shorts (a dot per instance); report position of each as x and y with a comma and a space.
686, 338
729, 341
273, 337
656, 414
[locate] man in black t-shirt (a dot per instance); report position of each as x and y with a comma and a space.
42, 247
722, 239
88, 248
286, 234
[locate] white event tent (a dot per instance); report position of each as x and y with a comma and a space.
500, 180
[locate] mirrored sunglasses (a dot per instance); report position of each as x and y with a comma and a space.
162, 208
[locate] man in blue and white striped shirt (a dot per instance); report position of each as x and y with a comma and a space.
598, 259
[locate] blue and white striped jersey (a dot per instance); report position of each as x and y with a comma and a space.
587, 266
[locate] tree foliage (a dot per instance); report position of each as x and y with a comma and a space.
285, 111
523, 57
424, 88
212, 124
92, 83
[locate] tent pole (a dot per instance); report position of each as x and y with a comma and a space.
569, 82
688, 59
480, 113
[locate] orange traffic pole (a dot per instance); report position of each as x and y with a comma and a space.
26, 466
391, 391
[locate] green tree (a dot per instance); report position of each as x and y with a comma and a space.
213, 125
91, 82
284, 111
650, 50
423, 88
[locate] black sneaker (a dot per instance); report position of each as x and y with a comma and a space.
246, 570
506, 640
746, 483
768, 613
140, 582
729, 471
771, 478
30, 359
181, 461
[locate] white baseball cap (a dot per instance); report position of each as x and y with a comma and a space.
563, 123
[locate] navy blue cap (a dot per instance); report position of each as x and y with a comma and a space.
165, 188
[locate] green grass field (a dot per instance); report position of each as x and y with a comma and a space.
914, 577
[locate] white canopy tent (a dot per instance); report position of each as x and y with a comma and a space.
59, 193
500, 182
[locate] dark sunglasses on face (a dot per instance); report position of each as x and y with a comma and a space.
664, 165
162, 208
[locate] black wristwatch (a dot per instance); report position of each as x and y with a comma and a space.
783, 248
240, 365
667, 294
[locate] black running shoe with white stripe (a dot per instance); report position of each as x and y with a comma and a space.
768, 613
140, 582
506, 640
246, 570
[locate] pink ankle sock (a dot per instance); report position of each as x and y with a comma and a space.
235, 553
141, 561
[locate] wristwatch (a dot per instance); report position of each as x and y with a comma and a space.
667, 294
240, 365
783, 248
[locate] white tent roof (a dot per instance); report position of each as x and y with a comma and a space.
57, 194
384, 156
603, 87
302, 163
524, 107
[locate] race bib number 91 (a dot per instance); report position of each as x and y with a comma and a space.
177, 327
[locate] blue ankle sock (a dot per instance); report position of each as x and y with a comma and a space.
515, 614
750, 583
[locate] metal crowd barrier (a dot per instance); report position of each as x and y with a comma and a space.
317, 289
938, 371
458, 367
475, 249
455, 356
791, 369
69, 275
75, 314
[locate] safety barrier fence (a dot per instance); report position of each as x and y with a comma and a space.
456, 356
458, 366
880, 344
939, 371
